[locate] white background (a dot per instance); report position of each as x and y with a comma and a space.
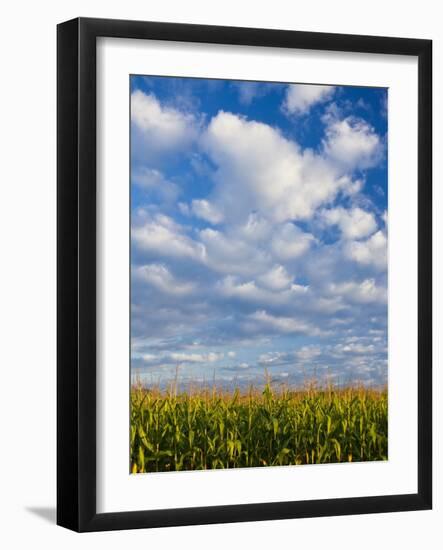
117, 490
27, 299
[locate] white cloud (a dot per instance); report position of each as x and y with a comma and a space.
352, 143
290, 242
206, 211
161, 278
248, 291
301, 97
230, 287
272, 357
354, 223
307, 353
256, 228
164, 127
153, 180
169, 359
227, 254
327, 304
372, 251
282, 324
355, 348
148, 357
276, 278
161, 234
352, 187
364, 292
259, 170
210, 357
236, 252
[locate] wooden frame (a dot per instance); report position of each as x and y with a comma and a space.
76, 249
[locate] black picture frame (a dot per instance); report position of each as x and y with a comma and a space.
76, 273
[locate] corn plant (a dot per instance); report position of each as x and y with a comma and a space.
211, 428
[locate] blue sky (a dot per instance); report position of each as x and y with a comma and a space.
258, 231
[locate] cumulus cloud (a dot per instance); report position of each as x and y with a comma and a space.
356, 348
283, 324
249, 291
328, 305
272, 358
235, 250
166, 359
352, 143
231, 287
159, 277
300, 98
289, 241
307, 353
210, 357
147, 357
363, 292
161, 234
354, 223
372, 251
228, 254
205, 210
259, 170
353, 355
255, 229
158, 127
277, 278
154, 181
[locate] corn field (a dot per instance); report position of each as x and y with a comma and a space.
206, 429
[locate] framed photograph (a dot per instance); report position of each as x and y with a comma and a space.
244, 274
